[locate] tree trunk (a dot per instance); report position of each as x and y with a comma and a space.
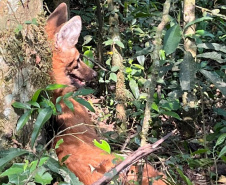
19, 58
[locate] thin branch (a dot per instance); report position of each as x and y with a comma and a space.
154, 75
133, 158
94, 62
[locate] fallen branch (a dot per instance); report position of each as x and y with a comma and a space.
133, 158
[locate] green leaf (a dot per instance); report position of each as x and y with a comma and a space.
65, 158
87, 39
67, 95
197, 20
171, 104
144, 51
172, 39
43, 116
172, 114
102, 145
59, 98
213, 55
134, 87
20, 105
8, 155
88, 54
42, 176
23, 119
108, 42
28, 22
67, 175
18, 29
155, 107
215, 79
52, 87
200, 151
84, 92
113, 77
184, 177
114, 68
141, 59
220, 139
34, 21
120, 44
35, 104
220, 111
214, 46
187, 72
222, 152
85, 103
59, 142
16, 168
69, 104
204, 33
36, 95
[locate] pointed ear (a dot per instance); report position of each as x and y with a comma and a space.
68, 35
57, 18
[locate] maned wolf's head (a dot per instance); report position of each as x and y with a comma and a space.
68, 68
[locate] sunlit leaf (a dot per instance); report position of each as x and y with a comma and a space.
172, 39
102, 145
52, 87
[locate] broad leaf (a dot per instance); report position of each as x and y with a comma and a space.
120, 44
43, 116
69, 104
134, 87
213, 55
198, 20
84, 92
42, 176
172, 114
102, 145
23, 120
20, 105
16, 168
214, 46
172, 39
63, 171
141, 59
85, 103
187, 72
59, 143
215, 79
52, 87
220, 139
87, 39
113, 77
8, 155
222, 152
36, 95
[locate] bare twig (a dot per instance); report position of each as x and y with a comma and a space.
134, 157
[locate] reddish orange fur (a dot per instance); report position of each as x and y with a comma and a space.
83, 154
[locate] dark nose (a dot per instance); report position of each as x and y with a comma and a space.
94, 74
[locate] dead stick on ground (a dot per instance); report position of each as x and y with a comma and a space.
134, 157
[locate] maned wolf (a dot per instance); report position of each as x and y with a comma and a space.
68, 69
